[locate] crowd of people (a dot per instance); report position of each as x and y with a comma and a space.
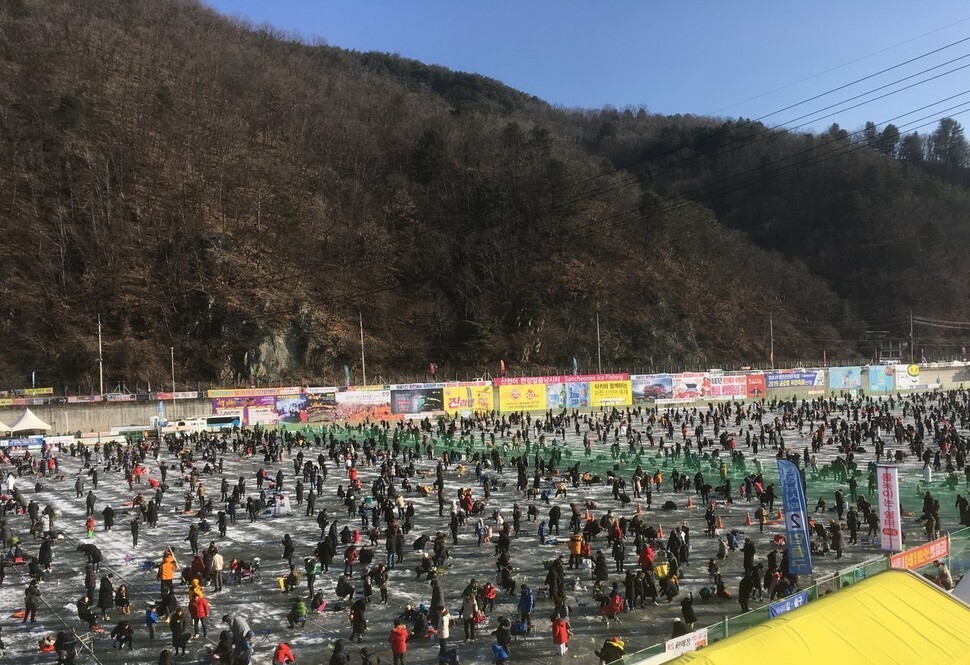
382, 495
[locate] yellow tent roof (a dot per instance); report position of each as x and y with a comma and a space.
892, 617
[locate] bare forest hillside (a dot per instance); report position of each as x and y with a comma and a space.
244, 197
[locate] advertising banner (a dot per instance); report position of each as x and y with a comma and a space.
890, 521
469, 399
787, 604
651, 387
796, 519
417, 400
291, 408
572, 395
358, 405
923, 555
120, 397
235, 405
720, 386
688, 385
522, 398
907, 378
796, 379
881, 378
77, 399
845, 378
254, 392
756, 386
686, 643
569, 378
184, 394
610, 393
320, 406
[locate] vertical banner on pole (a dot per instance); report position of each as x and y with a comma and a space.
891, 536
796, 519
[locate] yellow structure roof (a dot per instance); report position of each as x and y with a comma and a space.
892, 617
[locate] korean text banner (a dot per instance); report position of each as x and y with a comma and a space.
468, 398
718, 386
221, 405
649, 387
796, 379
796, 519
522, 398
569, 378
610, 393
918, 557
890, 521
845, 378
788, 604
881, 378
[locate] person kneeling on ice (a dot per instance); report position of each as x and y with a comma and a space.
611, 651
283, 654
297, 613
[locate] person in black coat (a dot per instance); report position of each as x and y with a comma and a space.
106, 596
339, 656
45, 555
108, 515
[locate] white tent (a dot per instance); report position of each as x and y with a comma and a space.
3, 428
28, 422
962, 590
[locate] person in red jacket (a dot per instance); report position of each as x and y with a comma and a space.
199, 611
560, 634
283, 654
399, 641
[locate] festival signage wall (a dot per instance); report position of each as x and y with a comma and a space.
881, 378
720, 386
756, 386
522, 398
796, 379
651, 387
688, 385
610, 393
467, 399
417, 400
845, 378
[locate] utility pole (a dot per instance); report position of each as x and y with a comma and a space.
912, 338
173, 383
771, 340
599, 355
100, 360
363, 367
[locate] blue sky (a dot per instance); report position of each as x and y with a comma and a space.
710, 58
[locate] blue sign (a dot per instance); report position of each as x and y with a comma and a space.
799, 379
845, 378
881, 378
788, 604
796, 519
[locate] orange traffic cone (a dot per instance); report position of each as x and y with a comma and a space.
720, 524
660, 531
747, 520
690, 502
